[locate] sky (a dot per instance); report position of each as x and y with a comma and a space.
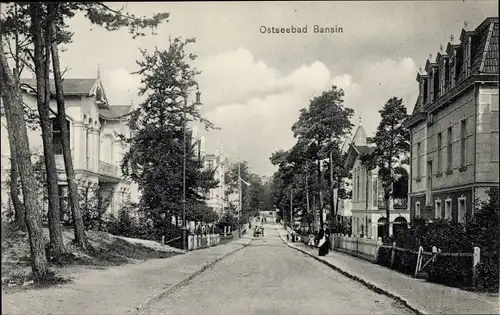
253, 84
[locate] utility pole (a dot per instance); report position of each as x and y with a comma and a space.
291, 208
240, 197
184, 231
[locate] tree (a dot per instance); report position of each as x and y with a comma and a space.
13, 105
392, 141
326, 121
28, 22
42, 70
155, 150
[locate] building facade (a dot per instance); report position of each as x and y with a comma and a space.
368, 205
96, 149
215, 161
454, 127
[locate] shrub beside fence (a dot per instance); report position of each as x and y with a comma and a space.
454, 269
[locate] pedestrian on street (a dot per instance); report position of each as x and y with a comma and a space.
323, 240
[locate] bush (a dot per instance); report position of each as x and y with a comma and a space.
452, 237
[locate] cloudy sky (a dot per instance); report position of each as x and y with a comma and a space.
253, 85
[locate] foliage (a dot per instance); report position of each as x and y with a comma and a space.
199, 212
254, 197
93, 205
453, 237
155, 153
228, 219
319, 130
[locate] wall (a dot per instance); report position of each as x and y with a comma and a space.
451, 116
487, 135
419, 135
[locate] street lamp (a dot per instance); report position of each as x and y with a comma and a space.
184, 228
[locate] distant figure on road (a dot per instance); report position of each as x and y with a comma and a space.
323, 241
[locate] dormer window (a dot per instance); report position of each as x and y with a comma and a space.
452, 71
435, 78
425, 93
459, 64
467, 57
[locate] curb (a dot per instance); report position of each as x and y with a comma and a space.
184, 281
367, 284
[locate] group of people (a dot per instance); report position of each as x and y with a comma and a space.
321, 239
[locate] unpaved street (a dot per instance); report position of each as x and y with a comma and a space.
268, 277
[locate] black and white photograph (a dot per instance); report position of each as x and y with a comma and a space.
250, 157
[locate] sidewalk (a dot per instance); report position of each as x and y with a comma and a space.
119, 290
420, 295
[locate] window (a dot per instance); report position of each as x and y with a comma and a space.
87, 148
463, 134
428, 201
210, 164
437, 209
439, 151
447, 209
357, 185
451, 77
57, 136
418, 160
436, 83
425, 94
449, 165
461, 210
417, 209
467, 57
446, 74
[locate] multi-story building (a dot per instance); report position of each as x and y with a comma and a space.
95, 147
368, 205
216, 161
454, 127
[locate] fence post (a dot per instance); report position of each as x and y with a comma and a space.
393, 254
419, 258
476, 258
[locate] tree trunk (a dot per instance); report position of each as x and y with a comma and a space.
307, 193
42, 70
320, 195
14, 105
80, 237
330, 184
19, 211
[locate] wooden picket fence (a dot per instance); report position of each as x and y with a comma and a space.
203, 241
369, 249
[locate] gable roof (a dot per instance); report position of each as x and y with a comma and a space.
76, 87
115, 111
354, 151
359, 137
72, 87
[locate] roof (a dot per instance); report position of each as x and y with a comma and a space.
80, 87
115, 111
484, 60
359, 137
355, 151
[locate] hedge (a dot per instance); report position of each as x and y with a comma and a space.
452, 237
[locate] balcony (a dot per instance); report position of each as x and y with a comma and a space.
108, 169
397, 203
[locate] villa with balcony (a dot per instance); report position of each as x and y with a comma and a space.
367, 204
96, 149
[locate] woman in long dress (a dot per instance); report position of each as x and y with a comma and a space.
324, 241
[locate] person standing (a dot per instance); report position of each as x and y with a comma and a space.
323, 241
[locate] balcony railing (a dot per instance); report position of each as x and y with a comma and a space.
400, 203
397, 203
108, 169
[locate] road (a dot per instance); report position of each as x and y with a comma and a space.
268, 277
